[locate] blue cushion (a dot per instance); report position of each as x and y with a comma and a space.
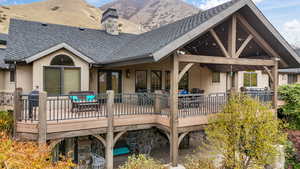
74, 98
121, 151
90, 98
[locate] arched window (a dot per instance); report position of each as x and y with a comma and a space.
62, 60
61, 77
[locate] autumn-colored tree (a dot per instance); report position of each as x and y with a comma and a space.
27, 155
245, 134
142, 162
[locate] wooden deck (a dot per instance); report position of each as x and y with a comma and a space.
90, 126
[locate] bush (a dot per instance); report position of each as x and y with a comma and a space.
291, 95
6, 122
27, 155
196, 162
245, 134
142, 162
291, 156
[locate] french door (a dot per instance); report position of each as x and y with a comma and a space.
109, 80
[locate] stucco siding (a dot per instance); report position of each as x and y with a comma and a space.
38, 69
24, 77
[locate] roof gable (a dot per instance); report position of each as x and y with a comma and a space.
56, 48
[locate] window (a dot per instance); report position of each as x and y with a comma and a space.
62, 77
292, 78
216, 77
141, 81
183, 84
62, 60
12, 76
250, 79
156, 80
168, 80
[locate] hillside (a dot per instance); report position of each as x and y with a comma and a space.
66, 12
152, 13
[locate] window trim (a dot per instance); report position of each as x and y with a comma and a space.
251, 73
135, 80
61, 68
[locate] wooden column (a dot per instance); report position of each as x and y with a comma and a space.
174, 111
110, 130
275, 83
157, 105
17, 109
42, 137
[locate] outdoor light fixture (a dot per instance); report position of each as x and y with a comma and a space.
128, 73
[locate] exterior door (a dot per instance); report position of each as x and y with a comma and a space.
109, 80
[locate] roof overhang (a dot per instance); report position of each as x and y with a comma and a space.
56, 48
215, 20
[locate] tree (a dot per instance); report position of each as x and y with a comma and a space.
291, 109
27, 155
245, 134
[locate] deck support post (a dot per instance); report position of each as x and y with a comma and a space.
174, 111
17, 109
275, 83
42, 126
157, 105
110, 131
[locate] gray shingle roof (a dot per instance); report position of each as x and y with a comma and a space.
30, 38
150, 42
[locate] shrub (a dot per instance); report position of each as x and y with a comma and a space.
6, 122
291, 95
291, 156
27, 155
197, 162
142, 162
245, 134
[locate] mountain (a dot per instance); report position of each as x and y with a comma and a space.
152, 13
66, 12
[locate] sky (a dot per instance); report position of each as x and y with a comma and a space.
283, 14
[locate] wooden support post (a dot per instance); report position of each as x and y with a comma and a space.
17, 109
110, 131
232, 37
275, 83
157, 105
42, 137
174, 111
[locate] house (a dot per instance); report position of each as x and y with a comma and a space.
289, 76
172, 78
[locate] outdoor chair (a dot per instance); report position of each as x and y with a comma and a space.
84, 101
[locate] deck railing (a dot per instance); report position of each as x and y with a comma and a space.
72, 107
199, 104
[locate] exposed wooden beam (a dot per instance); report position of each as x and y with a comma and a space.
232, 37
181, 137
241, 49
101, 139
184, 70
224, 60
258, 39
118, 136
219, 42
269, 73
